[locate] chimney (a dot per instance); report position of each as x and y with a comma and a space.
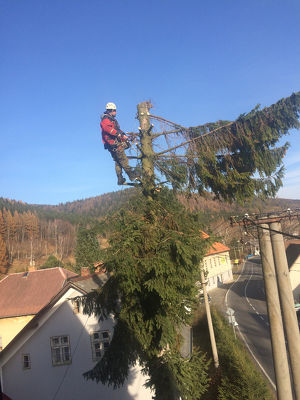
85, 271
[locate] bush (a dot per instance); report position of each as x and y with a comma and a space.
240, 379
52, 262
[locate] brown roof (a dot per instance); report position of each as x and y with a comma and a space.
26, 293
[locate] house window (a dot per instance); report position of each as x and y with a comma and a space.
60, 350
26, 361
100, 343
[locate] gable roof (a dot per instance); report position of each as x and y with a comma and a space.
90, 282
292, 251
26, 293
216, 247
34, 322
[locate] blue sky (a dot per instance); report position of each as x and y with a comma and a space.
198, 61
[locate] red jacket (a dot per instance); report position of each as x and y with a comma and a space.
110, 130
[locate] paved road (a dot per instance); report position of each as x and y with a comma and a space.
247, 297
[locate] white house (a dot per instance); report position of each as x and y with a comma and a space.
47, 358
217, 264
293, 259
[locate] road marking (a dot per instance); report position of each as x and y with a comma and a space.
242, 336
249, 302
259, 364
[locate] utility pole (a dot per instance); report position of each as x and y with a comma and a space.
283, 383
209, 322
279, 298
287, 303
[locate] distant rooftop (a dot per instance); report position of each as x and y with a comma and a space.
90, 282
216, 247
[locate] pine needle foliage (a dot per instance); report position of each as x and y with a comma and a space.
235, 160
153, 261
240, 379
87, 250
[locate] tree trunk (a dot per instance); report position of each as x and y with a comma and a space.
146, 149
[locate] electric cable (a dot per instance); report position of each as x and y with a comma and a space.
272, 230
68, 367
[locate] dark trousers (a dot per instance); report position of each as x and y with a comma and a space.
121, 161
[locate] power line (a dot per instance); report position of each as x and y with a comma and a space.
265, 218
273, 230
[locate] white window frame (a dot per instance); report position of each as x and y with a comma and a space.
99, 342
60, 350
26, 361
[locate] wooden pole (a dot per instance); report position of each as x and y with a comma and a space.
287, 304
209, 322
282, 375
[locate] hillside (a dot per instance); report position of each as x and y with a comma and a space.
33, 232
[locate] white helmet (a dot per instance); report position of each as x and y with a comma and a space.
111, 106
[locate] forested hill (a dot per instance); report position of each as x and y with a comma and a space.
34, 232
99, 206
76, 211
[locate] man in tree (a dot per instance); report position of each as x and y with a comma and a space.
115, 141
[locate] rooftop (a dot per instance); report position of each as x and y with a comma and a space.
26, 293
217, 247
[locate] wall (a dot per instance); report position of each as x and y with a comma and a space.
219, 270
10, 327
295, 279
47, 382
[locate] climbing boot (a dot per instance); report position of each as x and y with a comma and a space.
121, 180
134, 176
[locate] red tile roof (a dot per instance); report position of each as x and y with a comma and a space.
216, 247
26, 293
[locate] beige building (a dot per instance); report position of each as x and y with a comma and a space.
293, 258
217, 265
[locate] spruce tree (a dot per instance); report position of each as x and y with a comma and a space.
235, 160
153, 261
87, 250
156, 248
52, 262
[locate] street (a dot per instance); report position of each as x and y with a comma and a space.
246, 296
